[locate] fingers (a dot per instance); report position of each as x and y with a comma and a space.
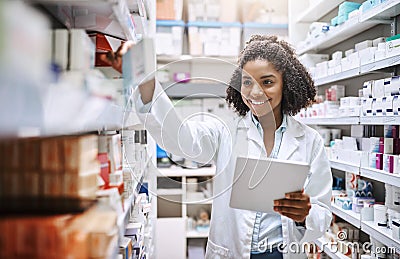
299, 195
301, 204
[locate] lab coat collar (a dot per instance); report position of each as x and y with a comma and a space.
290, 141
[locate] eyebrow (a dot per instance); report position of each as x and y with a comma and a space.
264, 76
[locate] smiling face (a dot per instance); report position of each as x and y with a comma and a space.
262, 87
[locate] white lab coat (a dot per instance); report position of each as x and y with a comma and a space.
221, 141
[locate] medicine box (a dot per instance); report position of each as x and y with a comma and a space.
214, 38
310, 60
392, 48
378, 89
169, 37
396, 105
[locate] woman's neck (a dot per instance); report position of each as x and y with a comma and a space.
271, 121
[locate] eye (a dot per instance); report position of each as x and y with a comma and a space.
247, 82
267, 82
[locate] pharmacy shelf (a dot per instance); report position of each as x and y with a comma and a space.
381, 176
197, 59
123, 219
202, 202
339, 34
384, 10
176, 171
362, 70
324, 244
196, 234
382, 234
337, 77
169, 192
380, 64
339, 165
380, 120
315, 12
348, 215
111, 17
194, 90
331, 121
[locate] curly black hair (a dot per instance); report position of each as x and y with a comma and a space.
298, 87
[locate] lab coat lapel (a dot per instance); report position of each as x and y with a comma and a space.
253, 134
290, 141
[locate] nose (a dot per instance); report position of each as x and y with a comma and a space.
256, 91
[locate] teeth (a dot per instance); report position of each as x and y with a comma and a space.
258, 103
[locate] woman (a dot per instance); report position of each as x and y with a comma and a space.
268, 86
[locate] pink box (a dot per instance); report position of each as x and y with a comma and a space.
379, 161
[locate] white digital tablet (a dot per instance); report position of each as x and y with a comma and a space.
258, 182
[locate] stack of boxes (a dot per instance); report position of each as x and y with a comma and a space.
53, 167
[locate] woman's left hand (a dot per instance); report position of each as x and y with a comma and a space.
295, 205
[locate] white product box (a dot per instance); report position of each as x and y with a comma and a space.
367, 89
349, 101
378, 89
61, 48
387, 105
349, 52
337, 55
346, 64
353, 111
354, 60
214, 39
376, 41
373, 144
363, 45
367, 55
338, 69
332, 63
380, 54
388, 146
366, 107
382, 46
310, 60
377, 106
392, 86
349, 143
139, 63
322, 69
393, 48
169, 37
81, 51
396, 105
331, 71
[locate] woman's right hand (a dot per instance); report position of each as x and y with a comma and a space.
114, 59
